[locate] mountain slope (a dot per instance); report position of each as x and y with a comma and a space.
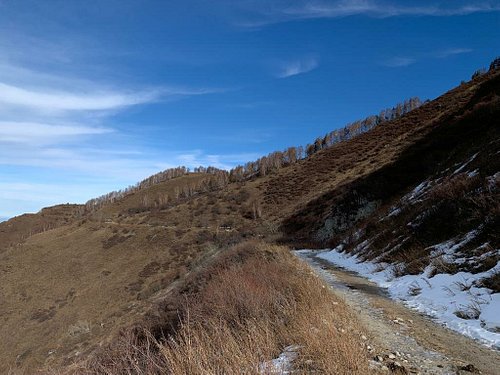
403, 153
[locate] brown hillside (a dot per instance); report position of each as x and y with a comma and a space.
390, 159
21, 227
288, 192
67, 290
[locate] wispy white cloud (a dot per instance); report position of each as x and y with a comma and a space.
401, 61
252, 105
50, 122
311, 9
49, 100
33, 133
396, 62
451, 52
296, 67
383, 9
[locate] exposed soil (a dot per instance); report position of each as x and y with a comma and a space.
398, 334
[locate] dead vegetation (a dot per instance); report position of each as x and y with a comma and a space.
492, 282
252, 304
399, 155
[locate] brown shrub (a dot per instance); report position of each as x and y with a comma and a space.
254, 301
250, 311
492, 282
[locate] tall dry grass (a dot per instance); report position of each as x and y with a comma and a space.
257, 301
249, 312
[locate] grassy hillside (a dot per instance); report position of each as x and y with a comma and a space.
17, 229
69, 289
401, 154
242, 309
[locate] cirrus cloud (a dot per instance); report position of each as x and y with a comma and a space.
397, 62
286, 11
296, 67
68, 101
40, 133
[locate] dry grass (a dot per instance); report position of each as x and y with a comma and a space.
376, 166
492, 282
104, 269
17, 229
257, 301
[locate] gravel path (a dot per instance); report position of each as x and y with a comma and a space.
401, 339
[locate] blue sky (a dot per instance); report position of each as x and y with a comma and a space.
96, 95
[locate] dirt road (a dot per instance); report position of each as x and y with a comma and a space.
399, 335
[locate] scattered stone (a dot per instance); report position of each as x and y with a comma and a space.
364, 338
470, 368
378, 358
397, 367
391, 356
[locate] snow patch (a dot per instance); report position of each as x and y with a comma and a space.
420, 191
493, 181
281, 365
448, 249
474, 173
447, 298
459, 169
395, 211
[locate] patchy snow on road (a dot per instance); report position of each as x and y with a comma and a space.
453, 300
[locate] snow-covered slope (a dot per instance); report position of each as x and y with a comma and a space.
457, 301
